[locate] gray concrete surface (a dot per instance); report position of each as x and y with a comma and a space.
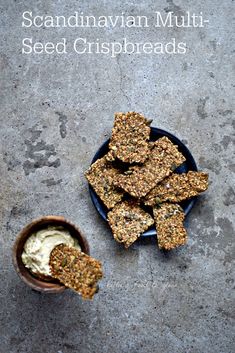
55, 112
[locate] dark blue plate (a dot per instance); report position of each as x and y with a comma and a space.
189, 164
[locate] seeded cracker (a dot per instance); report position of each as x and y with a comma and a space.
100, 176
169, 225
75, 270
128, 221
163, 159
178, 187
130, 135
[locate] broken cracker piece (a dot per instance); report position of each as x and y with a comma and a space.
177, 187
100, 176
162, 161
130, 135
75, 270
169, 225
128, 221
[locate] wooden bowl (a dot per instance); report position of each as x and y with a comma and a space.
40, 284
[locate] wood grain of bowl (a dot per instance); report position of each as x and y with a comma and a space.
44, 285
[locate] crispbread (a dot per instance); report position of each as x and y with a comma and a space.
177, 187
75, 270
130, 135
100, 176
169, 225
163, 159
128, 221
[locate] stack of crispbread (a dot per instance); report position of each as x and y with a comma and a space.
147, 179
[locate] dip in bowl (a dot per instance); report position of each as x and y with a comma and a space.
31, 259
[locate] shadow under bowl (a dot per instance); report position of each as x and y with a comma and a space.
36, 283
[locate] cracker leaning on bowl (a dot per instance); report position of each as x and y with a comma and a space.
75, 270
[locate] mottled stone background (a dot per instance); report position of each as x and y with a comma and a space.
55, 112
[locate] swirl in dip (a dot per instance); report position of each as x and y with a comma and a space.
39, 245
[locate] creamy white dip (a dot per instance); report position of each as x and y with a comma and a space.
39, 245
